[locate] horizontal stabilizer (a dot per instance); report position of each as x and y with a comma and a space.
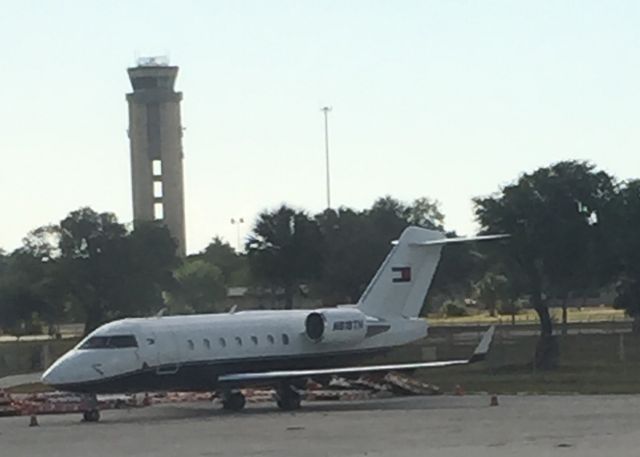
461, 240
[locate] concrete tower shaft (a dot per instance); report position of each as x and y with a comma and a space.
155, 136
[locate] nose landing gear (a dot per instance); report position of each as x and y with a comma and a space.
92, 415
91, 412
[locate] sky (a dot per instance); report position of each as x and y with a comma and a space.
447, 99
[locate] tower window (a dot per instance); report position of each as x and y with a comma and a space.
157, 189
158, 211
144, 82
156, 167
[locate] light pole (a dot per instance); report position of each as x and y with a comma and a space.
237, 223
326, 110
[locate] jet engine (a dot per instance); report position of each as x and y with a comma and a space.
336, 325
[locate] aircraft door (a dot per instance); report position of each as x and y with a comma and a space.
168, 353
148, 349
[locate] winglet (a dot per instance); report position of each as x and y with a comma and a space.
482, 348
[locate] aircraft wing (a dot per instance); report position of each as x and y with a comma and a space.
479, 354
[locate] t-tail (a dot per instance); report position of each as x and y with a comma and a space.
400, 285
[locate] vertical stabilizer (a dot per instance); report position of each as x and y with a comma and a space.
402, 281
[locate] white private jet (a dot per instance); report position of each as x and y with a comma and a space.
279, 348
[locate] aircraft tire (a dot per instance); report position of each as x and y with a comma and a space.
234, 402
93, 415
289, 402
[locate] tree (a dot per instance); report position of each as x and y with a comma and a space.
234, 266
350, 256
200, 285
623, 230
88, 267
4, 260
28, 293
388, 217
552, 216
490, 290
147, 270
93, 254
426, 213
460, 266
284, 250
109, 272
495, 292
354, 243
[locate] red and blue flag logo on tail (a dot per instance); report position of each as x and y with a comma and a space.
403, 274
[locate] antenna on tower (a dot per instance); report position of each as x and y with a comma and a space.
153, 61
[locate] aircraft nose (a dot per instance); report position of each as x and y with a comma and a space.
52, 375
61, 371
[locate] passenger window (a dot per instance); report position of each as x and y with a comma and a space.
223, 342
239, 340
207, 344
191, 345
151, 341
271, 339
254, 340
285, 338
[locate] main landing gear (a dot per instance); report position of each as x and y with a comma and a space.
233, 401
288, 399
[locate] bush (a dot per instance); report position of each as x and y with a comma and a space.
508, 309
453, 309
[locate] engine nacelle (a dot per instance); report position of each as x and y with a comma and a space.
339, 325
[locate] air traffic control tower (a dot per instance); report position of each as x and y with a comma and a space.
155, 136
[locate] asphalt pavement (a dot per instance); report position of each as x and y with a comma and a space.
408, 426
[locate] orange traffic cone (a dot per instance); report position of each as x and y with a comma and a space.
494, 400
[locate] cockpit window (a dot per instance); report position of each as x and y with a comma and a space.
110, 342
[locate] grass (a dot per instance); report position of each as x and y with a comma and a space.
588, 364
613, 378
31, 388
529, 316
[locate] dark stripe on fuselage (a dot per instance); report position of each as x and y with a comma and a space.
203, 375
376, 329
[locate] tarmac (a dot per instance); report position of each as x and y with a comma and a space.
407, 426
19, 379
